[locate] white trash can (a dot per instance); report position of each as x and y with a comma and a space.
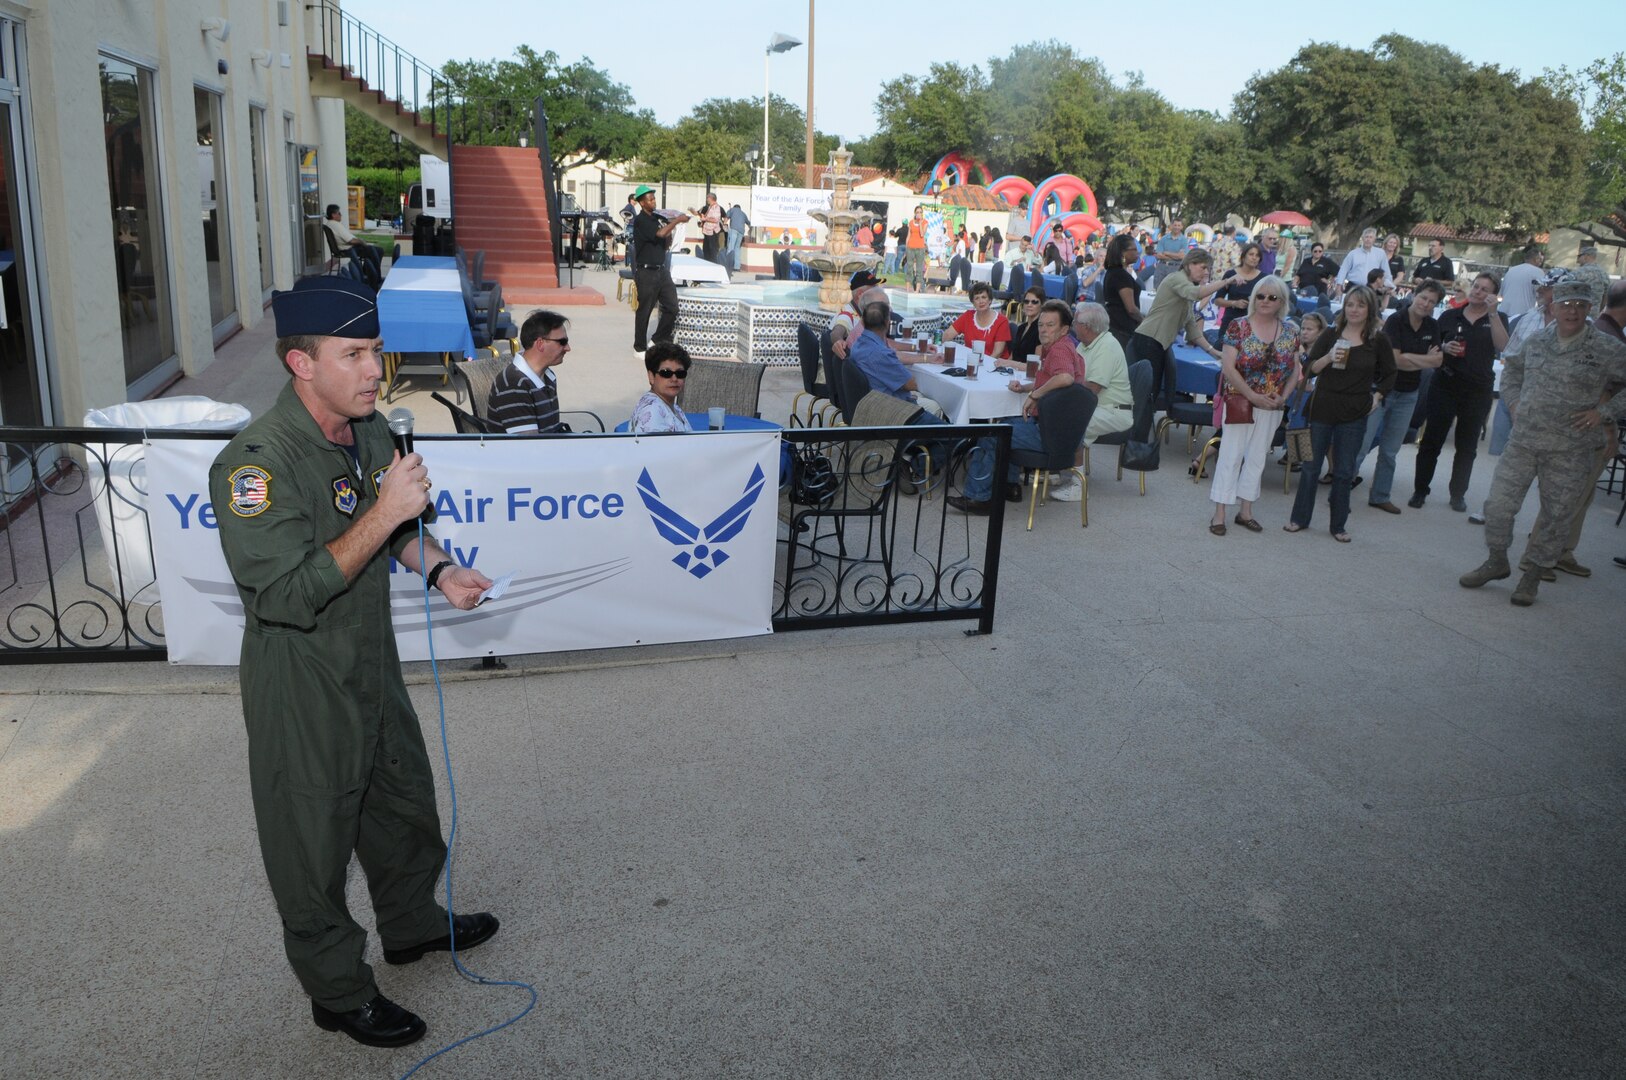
118, 479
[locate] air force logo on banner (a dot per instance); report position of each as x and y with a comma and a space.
698, 552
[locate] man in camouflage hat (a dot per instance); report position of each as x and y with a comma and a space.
1588, 270
313, 501
1555, 386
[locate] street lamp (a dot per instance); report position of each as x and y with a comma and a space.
1111, 202
777, 44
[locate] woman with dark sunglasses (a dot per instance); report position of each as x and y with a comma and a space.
657, 411
1025, 336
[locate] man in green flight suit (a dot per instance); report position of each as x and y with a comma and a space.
313, 501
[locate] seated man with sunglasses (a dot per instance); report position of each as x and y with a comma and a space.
525, 395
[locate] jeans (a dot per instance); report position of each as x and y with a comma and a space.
979, 475
1344, 441
1386, 430
1452, 401
916, 266
1501, 428
731, 255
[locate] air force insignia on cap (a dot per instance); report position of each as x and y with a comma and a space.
250, 491
344, 496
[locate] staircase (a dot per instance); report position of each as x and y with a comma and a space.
500, 207
349, 60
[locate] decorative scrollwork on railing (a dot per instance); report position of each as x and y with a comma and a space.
866, 533
81, 576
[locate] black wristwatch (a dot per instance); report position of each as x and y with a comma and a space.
434, 575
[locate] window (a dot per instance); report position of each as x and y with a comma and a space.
216, 221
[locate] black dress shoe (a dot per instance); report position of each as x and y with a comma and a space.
1416, 501
472, 930
380, 1022
1013, 493
969, 506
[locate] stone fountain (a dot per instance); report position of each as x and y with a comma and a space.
838, 261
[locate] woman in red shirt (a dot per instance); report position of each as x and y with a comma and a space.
982, 323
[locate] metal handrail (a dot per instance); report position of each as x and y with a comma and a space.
382, 65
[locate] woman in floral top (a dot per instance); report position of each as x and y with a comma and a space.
657, 411
1259, 363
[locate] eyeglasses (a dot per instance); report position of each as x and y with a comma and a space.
673, 373
1030, 300
1267, 296
563, 342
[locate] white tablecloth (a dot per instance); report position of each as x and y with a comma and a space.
406, 278
988, 397
983, 272
689, 269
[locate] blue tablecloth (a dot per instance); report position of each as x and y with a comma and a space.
698, 421
1053, 285
420, 308
1195, 372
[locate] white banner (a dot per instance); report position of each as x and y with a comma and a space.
786, 208
611, 541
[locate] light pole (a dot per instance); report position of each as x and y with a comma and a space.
777, 44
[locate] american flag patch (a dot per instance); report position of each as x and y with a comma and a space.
250, 491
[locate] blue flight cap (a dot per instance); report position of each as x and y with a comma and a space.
326, 307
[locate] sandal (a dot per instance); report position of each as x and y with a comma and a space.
1249, 523
1218, 528
1342, 538
1290, 527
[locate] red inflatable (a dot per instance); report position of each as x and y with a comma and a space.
1064, 189
1079, 226
955, 168
1013, 189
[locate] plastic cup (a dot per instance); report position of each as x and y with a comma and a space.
1033, 366
1340, 354
714, 417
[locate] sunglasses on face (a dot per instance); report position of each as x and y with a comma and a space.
1266, 296
1030, 301
673, 373
562, 342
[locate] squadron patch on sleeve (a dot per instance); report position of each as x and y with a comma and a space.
250, 491
344, 496
378, 477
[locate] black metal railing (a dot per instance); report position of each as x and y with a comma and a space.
363, 53
865, 535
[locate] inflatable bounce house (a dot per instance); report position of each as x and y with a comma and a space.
1049, 204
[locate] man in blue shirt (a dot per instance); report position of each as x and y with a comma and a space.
1171, 249
879, 362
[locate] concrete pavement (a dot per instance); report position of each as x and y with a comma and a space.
1262, 806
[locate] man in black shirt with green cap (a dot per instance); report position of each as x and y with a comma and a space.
651, 242
313, 500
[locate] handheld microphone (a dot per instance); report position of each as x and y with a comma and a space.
400, 422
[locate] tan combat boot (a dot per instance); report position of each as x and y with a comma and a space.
1494, 568
1524, 594
1567, 563
1546, 573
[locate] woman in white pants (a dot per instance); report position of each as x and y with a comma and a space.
1258, 363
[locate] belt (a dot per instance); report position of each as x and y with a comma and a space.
1125, 408
652, 266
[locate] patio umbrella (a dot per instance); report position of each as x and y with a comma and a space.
1286, 217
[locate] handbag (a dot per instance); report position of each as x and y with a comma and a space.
1298, 439
1238, 409
812, 478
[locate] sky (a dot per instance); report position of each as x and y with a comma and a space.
674, 56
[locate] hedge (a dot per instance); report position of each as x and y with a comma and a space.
384, 189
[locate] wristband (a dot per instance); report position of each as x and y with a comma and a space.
434, 575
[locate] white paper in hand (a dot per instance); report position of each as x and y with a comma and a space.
498, 587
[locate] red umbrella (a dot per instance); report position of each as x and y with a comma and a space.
1286, 217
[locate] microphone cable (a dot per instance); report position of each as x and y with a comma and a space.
446, 866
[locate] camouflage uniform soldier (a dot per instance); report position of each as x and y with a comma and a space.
1553, 386
1596, 279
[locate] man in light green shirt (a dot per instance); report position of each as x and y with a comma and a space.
1105, 372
